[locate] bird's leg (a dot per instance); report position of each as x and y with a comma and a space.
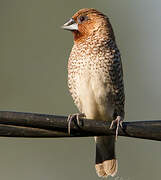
76, 116
118, 121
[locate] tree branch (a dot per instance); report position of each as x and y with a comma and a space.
20, 124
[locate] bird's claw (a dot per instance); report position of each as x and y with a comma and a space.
72, 117
118, 121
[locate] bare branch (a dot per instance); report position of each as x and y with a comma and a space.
20, 124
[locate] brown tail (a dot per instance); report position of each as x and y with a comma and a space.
106, 163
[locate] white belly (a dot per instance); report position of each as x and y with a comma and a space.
94, 97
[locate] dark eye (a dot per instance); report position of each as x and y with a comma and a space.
82, 18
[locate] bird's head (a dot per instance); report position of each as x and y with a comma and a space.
86, 22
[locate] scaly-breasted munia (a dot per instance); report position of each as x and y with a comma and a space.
95, 79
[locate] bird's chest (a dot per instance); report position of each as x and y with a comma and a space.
82, 71
88, 68
80, 76
88, 84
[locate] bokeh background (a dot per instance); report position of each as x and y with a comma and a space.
33, 77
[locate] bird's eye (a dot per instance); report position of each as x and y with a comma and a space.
82, 18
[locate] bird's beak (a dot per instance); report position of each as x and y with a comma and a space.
71, 25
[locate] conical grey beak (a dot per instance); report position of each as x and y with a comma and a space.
71, 25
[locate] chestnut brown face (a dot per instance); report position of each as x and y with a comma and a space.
84, 23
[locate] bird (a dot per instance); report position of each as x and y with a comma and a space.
95, 79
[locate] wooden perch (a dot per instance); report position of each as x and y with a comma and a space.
20, 124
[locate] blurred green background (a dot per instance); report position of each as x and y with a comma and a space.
33, 77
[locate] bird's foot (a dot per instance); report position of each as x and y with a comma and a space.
72, 117
118, 121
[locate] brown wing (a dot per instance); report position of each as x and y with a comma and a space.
116, 82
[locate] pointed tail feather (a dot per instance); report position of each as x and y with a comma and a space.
106, 163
